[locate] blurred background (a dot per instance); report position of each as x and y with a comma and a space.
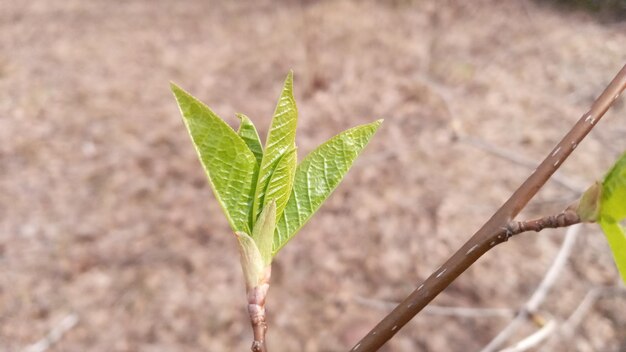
110, 238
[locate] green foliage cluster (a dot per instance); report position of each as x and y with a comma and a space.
266, 195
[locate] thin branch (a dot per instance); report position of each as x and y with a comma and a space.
461, 312
256, 310
54, 335
469, 312
490, 233
444, 96
540, 294
533, 340
516, 159
566, 218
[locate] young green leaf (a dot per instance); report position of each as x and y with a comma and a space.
248, 133
281, 139
227, 160
263, 233
281, 181
251, 259
616, 237
317, 176
613, 210
614, 191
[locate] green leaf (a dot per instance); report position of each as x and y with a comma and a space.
281, 139
227, 160
613, 210
248, 133
251, 259
614, 191
317, 176
281, 181
617, 241
263, 233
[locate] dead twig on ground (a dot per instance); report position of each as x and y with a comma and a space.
568, 328
534, 339
55, 334
540, 293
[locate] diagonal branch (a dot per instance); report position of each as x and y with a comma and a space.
460, 312
490, 233
516, 159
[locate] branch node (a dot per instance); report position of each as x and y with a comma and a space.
511, 229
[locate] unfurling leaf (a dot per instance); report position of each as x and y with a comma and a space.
613, 211
248, 133
251, 259
227, 160
281, 181
281, 139
317, 176
263, 233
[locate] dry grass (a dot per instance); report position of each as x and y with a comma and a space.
105, 211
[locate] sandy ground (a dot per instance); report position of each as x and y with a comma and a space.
105, 212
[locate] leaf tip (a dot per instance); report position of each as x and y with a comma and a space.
375, 125
289, 80
174, 87
179, 93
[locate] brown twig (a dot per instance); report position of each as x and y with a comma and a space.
256, 310
490, 233
566, 218
460, 312
516, 159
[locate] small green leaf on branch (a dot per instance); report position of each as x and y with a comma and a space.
281, 139
317, 176
613, 211
249, 134
227, 160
